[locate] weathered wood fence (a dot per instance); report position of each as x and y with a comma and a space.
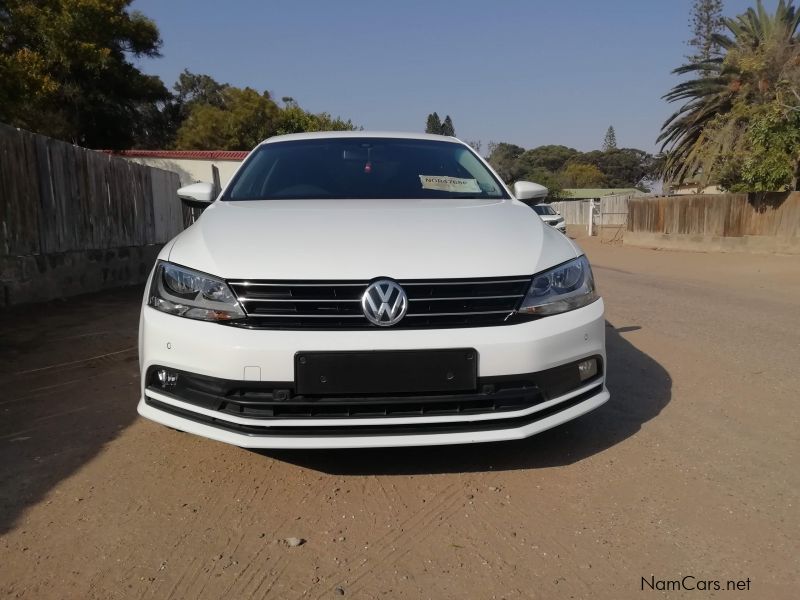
760, 222
74, 220
611, 210
575, 212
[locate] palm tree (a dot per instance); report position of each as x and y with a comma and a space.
761, 57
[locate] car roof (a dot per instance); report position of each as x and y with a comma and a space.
401, 135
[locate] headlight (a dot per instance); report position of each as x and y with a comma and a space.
567, 287
186, 293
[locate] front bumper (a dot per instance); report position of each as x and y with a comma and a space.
231, 353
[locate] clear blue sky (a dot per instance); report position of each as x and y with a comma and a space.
527, 72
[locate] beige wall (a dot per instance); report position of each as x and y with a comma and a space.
192, 170
690, 189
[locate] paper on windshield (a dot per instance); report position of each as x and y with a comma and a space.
450, 184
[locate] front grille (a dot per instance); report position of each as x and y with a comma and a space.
263, 405
441, 303
279, 400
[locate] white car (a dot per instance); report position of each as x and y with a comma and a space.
369, 289
550, 216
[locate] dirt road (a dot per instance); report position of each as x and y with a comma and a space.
690, 469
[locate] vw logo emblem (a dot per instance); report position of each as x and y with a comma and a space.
384, 303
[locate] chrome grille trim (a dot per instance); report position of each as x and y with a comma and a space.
245, 299
364, 284
295, 316
453, 314
331, 304
466, 298
466, 282
320, 284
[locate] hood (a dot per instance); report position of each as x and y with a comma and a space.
364, 239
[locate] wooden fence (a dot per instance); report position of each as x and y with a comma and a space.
718, 215
56, 197
60, 199
575, 212
717, 222
611, 210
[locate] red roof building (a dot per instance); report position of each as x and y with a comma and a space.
237, 155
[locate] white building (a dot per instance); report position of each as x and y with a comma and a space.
190, 165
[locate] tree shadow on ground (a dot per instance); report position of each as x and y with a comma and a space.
764, 201
640, 388
68, 386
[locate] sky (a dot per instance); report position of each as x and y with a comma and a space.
525, 72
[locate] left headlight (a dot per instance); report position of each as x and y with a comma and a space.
566, 287
191, 294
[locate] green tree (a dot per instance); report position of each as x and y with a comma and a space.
768, 160
709, 136
192, 88
66, 71
551, 158
447, 127
159, 122
433, 124
546, 178
476, 145
610, 140
706, 22
245, 119
582, 175
504, 159
239, 119
293, 119
623, 167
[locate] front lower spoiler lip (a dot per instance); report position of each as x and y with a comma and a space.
375, 441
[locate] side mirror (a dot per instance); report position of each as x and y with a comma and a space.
527, 190
197, 195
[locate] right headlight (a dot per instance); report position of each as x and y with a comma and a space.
565, 287
188, 293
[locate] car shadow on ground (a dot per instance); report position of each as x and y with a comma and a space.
640, 388
68, 387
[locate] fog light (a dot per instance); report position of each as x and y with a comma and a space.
587, 369
167, 378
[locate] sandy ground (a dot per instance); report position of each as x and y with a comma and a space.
690, 469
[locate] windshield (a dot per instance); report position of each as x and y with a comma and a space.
339, 168
543, 209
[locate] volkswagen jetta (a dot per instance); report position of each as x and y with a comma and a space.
367, 289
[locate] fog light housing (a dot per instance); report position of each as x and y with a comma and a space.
587, 368
167, 379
